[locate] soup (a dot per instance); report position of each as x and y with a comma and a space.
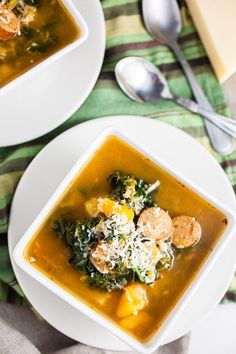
45, 27
153, 265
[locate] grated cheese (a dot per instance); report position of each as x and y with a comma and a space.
128, 247
27, 13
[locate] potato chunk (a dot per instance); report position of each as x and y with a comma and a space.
133, 299
109, 207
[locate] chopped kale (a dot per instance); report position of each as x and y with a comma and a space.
132, 191
123, 250
80, 236
41, 47
65, 229
137, 275
122, 187
35, 3
28, 32
109, 281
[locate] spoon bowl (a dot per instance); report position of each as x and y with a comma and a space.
162, 19
141, 80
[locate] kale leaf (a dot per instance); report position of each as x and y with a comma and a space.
35, 3
28, 32
106, 282
133, 191
109, 281
80, 237
41, 46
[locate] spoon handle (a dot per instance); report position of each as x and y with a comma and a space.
221, 142
227, 125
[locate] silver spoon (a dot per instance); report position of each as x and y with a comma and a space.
144, 83
163, 21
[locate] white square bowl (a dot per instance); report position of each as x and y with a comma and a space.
80, 23
172, 317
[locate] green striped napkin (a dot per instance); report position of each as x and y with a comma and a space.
126, 36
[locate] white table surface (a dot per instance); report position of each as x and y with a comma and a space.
230, 92
217, 333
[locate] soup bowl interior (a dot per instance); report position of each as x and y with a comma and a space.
34, 52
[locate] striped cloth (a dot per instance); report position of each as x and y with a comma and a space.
126, 36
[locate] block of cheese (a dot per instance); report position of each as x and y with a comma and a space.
216, 23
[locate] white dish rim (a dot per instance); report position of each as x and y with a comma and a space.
158, 338
84, 32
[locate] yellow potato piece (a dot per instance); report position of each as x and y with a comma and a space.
133, 299
142, 320
91, 207
109, 207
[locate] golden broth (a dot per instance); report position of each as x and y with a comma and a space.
51, 255
51, 29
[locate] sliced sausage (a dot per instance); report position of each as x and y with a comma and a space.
9, 24
98, 256
155, 223
186, 231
